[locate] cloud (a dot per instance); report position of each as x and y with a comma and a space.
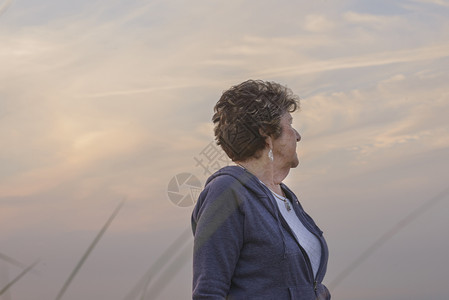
370, 60
436, 2
120, 87
317, 23
370, 19
73, 151
389, 121
96, 90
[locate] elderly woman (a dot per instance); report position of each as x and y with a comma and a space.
252, 238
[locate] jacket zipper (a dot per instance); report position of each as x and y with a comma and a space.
306, 224
304, 253
308, 227
321, 244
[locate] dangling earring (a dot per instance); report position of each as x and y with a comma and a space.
270, 155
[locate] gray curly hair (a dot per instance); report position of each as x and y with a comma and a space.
248, 113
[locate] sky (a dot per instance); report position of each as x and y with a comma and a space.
105, 103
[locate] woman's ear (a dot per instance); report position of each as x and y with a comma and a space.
269, 142
268, 139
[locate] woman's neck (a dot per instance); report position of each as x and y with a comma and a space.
266, 171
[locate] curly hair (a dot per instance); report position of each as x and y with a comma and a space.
248, 113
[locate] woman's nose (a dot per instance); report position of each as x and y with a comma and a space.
298, 136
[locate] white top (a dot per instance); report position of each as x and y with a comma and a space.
305, 238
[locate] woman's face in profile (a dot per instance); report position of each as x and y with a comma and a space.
284, 147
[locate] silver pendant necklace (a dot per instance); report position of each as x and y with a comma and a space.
286, 203
283, 199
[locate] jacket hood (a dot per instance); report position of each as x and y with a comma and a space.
247, 179
250, 181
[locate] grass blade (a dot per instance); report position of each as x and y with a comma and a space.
155, 268
5, 5
387, 236
168, 273
26, 270
88, 251
12, 261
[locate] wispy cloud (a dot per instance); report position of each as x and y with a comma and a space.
375, 59
437, 2
380, 21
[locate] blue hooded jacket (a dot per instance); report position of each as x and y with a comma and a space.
243, 247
